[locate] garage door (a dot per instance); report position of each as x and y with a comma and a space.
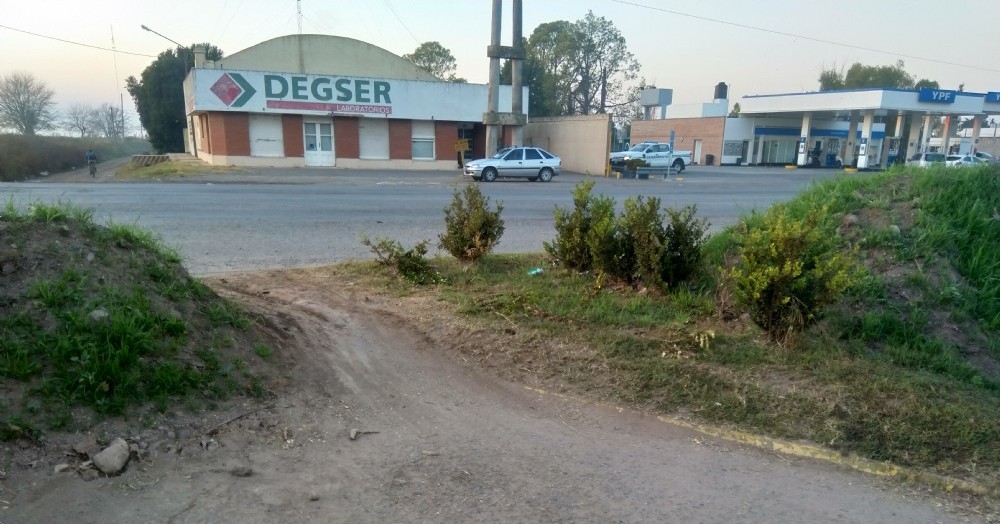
373, 135
266, 137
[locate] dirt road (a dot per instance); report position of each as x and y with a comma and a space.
437, 439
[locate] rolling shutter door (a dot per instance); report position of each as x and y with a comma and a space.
373, 135
266, 136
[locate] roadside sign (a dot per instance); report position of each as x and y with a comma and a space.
461, 145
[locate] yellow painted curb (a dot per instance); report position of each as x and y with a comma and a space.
850, 170
791, 167
810, 451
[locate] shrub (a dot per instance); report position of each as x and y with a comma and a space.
788, 270
682, 254
571, 247
471, 229
635, 246
409, 263
643, 238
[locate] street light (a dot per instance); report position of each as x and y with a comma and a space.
161, 36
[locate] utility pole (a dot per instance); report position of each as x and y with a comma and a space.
493, 118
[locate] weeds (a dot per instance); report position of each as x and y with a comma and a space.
471, 229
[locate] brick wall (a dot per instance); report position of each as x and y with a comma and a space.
291, 131
400, 140
347, 138
709, 130
230, 133
445, 135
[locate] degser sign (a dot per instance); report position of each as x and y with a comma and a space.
309, 93
349, 94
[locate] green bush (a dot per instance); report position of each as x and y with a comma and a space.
682, 254
788, 271
638, 246
409, 263
471, 229
571, 247
635, 163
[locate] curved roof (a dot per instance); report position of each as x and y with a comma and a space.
323, 55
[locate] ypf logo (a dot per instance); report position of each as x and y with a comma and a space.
233, 89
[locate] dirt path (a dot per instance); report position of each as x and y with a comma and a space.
437, 440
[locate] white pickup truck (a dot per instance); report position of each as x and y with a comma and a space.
656, 154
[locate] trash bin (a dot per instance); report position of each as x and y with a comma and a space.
709, 160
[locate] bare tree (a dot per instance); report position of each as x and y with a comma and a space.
106, 120
78, 119
25, 104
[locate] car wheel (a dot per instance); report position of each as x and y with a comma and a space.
678, 165
545, 175
489, 174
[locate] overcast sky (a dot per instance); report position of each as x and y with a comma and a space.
757, 47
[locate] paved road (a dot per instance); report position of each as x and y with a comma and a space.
268, 218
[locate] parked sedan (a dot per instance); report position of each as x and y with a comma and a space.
533, 163
962, 161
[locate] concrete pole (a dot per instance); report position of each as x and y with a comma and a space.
493, 101
517, 97
866, 138
913, 142
977, 124
925, 140
949, 124
804, 139
852, 132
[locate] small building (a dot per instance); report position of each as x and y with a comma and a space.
318, 100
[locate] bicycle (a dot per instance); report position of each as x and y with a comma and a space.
93, 168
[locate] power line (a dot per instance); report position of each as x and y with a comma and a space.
387, 4
74, 43
793, 35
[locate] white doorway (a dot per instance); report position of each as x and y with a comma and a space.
697, 152
318, 143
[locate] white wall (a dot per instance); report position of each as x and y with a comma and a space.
582, 142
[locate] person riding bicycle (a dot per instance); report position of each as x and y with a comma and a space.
92, 161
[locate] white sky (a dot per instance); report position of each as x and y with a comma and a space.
952, 43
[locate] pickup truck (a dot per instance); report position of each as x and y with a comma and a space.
656, 154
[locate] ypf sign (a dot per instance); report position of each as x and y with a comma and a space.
937, 96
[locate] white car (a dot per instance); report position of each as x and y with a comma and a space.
962, 161
926, 159
533, 163
986, 157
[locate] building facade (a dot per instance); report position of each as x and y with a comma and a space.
326, 101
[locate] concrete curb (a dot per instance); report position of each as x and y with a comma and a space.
809, 451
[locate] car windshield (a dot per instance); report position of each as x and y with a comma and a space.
639, 147
502, 152
934, 157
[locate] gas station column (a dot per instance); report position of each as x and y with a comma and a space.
847, 154
977, 124
925, 139
913, 141
949, 124
866, 137
804, 140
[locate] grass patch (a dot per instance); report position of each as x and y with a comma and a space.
174, 168
106, 318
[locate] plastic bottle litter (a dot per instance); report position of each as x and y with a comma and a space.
536, 271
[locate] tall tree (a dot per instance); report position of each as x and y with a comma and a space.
109, 121
159, 96
436, 59
578, 67
26, 104
77, 119
603, 66
861, 76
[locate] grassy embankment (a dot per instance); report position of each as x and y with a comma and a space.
101, 320
905, 369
